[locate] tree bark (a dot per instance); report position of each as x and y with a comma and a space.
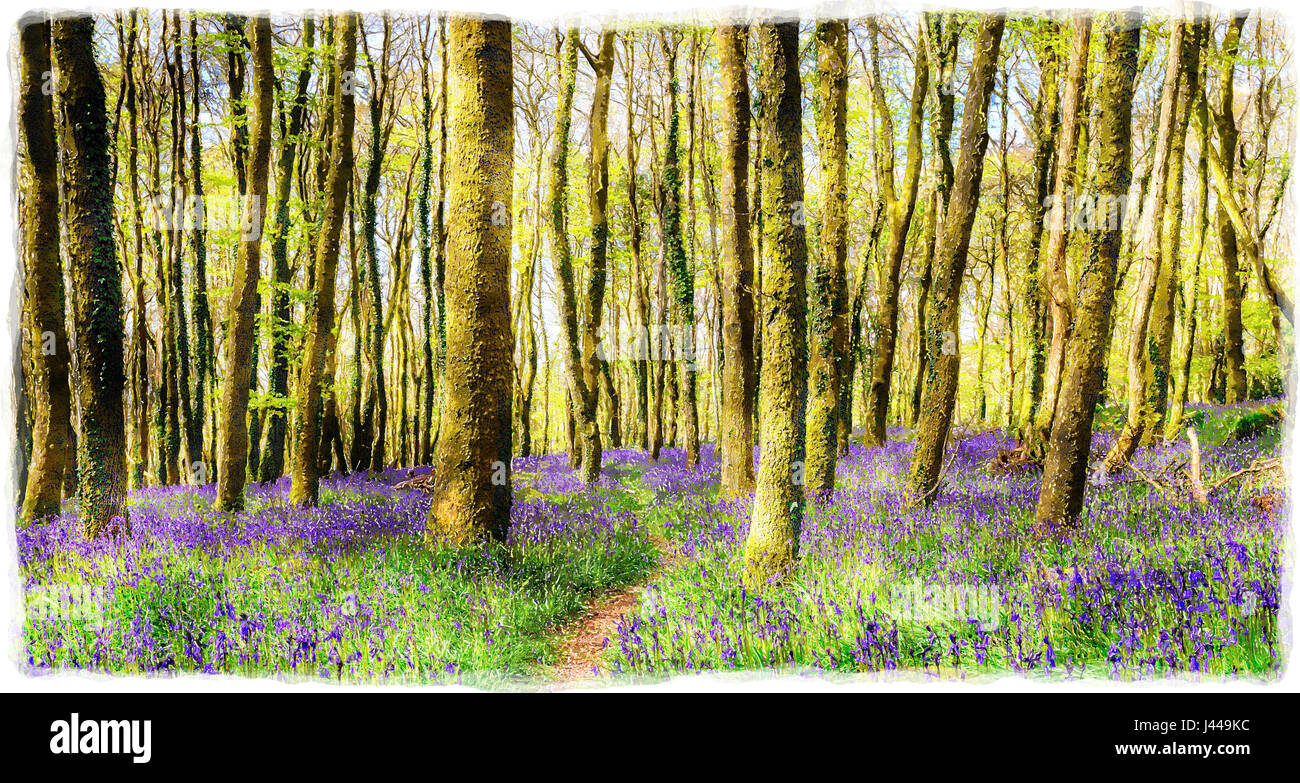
736, 438
272, 465
472, 494
46, 340
901, 206
1056, 281
773, 543
1146, 309
943, 357
1065, 472
828, 317
96, 279
233, 435
306, 443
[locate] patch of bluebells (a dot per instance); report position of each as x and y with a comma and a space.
1145, 587
346, 590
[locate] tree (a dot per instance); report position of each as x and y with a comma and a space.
681, 275
773, 543
199, 305
272, 465
736, 438
582, 395
597, 199
472, 493
96, 279
1045, 129
828, 317
943, 359
233, 435
306, 444
901, 205
1143, 348
46, 340
1225, 124
1065, 472
368, 447
1056, 281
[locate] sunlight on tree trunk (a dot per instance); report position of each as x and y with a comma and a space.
472, 491
773, 543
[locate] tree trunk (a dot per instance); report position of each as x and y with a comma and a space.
272, 466
1148, 308
584, 455
736, 438
46, 340
828, 316
1065, 472
901, 206
680, 273
306, 441
597, 197
1226, 125
1046, 126
96, 279
773, 543
233, 435
204, 358
943, 357
1056, 281
472, 492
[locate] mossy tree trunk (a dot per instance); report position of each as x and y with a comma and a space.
424, 437
472, 494
943, 355
1147, 310
642, 364
681, 274
585, 446
369, 452
1046, 119
272, 464
241, 307
96, 279
1192, 291
901, 205
46, 340
204, 360
1225, 123
597, 198
306, 441
828, 319
1065, 472
773, 543
737, 434
1055, 279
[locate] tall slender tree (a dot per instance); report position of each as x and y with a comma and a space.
272, 464
233, 435
472, 494
736, 438
46, 340
901, 205
1065, 472
82, 122
828, 321
943, 358
306, 442
773, 543
1056, 281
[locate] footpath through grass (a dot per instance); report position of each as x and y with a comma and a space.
346, 591
1146, 586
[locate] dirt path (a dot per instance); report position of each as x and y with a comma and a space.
584, 638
